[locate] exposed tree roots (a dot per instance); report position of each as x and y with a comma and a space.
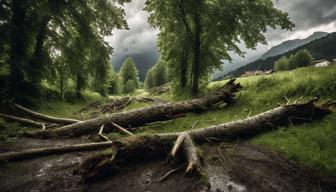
129, 150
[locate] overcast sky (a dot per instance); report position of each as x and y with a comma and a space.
139, 42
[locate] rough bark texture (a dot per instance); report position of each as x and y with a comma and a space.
22, 120
145, 115
45, 117
136, 148
27, 154
142, 147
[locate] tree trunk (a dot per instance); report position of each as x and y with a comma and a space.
145, 115
184, 66
18, 46
45, 117
197, 50
126, 151
37, 61
28, 154
134, 148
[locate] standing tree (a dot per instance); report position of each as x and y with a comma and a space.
40, 31
231, 22
281, 64
128, 72
160, 74
303, 58
149, 80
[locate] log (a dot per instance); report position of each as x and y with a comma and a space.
145, 115
126, 150
23, 120
138, 147
45, 117
32, 153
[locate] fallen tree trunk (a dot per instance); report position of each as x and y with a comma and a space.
22, 120
145, 115
126, 150
45, 118
137, 147
27, 154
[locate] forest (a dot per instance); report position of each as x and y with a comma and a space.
70, 120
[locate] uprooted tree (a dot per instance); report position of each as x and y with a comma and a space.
143, 116
125, 151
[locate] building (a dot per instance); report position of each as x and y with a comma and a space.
325, 62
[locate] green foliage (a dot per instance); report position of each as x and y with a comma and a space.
128, 72
319, 49
301, 59
57, 41
115, 84
191, 51
157, 75
129, 86
149, 80
281, 64
311, 144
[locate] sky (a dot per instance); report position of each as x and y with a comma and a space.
139, 41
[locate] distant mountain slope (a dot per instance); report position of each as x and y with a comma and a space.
322, 48
292, 44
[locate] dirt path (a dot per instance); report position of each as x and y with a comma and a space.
231, 168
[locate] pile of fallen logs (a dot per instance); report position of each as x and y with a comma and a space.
136, 147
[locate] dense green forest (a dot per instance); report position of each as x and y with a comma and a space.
323, 48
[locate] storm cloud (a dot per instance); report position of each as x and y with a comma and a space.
139, 42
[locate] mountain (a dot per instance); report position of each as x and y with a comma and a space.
292, 44
322, 48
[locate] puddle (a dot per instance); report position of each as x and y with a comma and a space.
221, 182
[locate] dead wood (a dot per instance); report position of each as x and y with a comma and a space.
33, 153
23, 120
45, 118
145, 115
101, 135
116, 104
160, 89
144, 147
128, 150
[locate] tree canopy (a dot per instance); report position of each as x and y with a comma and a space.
53, 39
207, 31
128, 71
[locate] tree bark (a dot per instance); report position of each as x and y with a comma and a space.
22, 120
197, 52
28, 154
45, 117
145, 115
126, 151
137, 147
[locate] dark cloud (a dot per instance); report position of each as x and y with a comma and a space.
140, 41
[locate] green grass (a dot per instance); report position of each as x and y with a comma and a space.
311, 144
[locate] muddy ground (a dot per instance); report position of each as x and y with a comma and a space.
230, 167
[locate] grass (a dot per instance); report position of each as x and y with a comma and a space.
311, 144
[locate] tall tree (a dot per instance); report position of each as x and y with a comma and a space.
128, 71
231, 22
40, 31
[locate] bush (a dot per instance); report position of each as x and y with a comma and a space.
129, 87
281, 64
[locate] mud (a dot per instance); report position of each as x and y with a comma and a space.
230, 168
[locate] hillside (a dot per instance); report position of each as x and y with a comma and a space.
295, 147
320, 49
291, 44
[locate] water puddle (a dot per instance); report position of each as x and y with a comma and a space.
221, 182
